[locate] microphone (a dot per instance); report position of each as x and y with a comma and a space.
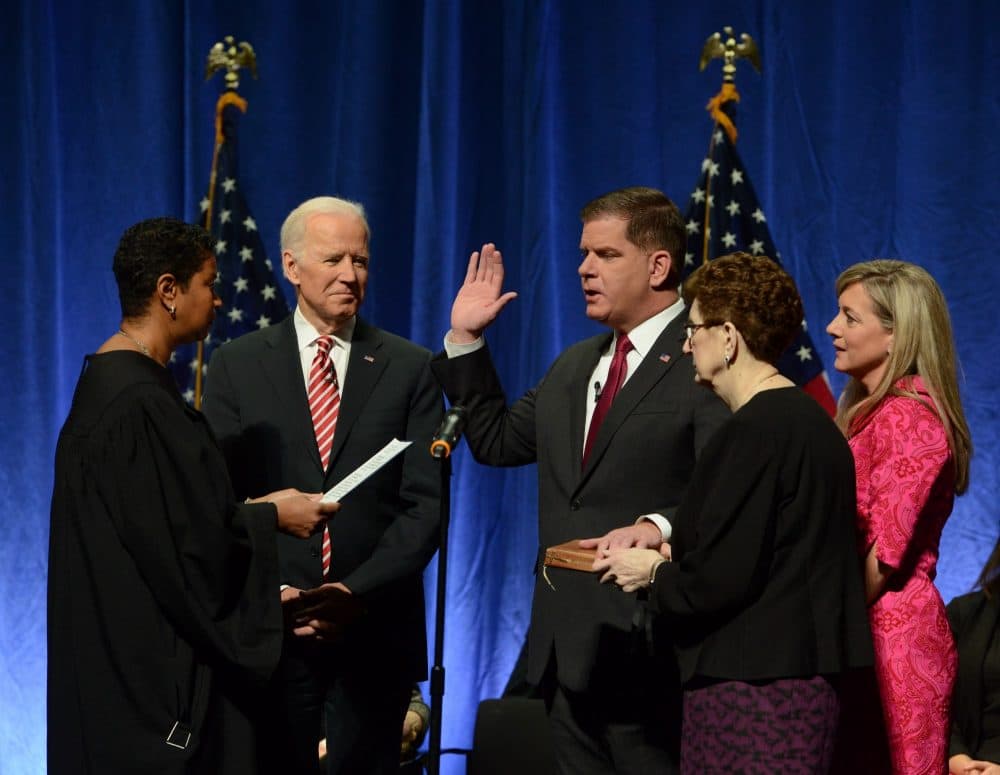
597, 391
448, 432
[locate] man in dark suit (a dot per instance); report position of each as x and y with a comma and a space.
610, 682
273, 398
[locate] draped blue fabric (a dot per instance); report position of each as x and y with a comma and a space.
872, 132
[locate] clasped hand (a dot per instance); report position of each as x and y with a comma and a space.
324, 613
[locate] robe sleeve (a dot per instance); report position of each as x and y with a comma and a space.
905, 450
211, 564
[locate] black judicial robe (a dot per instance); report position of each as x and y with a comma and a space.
163, 604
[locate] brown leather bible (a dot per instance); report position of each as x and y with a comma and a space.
570, 555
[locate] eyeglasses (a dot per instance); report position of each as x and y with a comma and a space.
690, 328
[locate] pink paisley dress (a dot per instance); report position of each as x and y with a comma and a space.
906, 485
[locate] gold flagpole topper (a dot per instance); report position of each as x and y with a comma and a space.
226, 55
729, 51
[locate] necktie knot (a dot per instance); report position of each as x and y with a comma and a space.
624, 345
324, 344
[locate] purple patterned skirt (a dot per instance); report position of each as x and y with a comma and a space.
788, 725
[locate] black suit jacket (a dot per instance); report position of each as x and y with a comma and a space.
640, 463
974, 620
387, 529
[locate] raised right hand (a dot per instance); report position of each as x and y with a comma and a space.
303, 514
479, 300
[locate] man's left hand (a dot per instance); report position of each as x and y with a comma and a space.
644, 535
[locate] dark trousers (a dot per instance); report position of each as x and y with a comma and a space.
357, 707
624, 730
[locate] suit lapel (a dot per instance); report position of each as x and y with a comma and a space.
665, 353
365, 365
282, 367
578, 389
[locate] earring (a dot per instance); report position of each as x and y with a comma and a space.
726, 359
173, 312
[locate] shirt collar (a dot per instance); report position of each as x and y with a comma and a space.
306, 333
644, 335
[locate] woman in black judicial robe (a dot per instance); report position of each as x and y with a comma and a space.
163, 597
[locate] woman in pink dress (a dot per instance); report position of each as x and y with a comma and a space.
903, 419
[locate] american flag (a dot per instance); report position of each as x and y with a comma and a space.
724, 216
247, 283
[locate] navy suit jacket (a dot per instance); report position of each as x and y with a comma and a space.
640, 462
387, 529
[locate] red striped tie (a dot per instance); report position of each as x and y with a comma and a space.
324, 405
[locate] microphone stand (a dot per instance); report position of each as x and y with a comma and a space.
445, 439
437, 670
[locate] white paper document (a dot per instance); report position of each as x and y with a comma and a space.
366, 469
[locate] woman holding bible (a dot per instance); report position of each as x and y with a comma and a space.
763, 592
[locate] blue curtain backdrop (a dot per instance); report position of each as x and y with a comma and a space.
872, 132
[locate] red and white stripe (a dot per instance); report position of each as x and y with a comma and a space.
324, 405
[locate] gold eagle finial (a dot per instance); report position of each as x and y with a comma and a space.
727, 49
226, 55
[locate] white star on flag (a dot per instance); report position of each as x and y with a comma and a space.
736, 176
719, 136
692, 226
758, 215
204, 203
729, 239
189, 395
705, 164
240, 284
733, 207
250, 224
713, 169
193, 365
804, 353
225, 215
228, 185
235, 314
268, 292
220, 247
263, 321
698, 195
246, 254
689, 259
756, 247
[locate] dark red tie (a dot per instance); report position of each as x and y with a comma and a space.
616, 378
324, 404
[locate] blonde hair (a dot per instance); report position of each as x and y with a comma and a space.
909, 303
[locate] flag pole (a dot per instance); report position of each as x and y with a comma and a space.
224, 55
729, 51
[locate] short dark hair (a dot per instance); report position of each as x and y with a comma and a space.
152, 248
654, 222
755, 294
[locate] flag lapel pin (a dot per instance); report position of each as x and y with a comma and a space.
370, 358
665, 358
